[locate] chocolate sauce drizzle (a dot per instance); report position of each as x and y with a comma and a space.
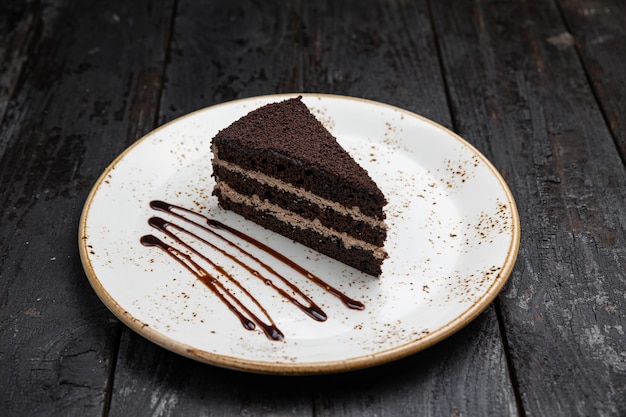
249, 323
248, 319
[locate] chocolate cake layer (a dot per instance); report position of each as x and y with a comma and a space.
310, 207
359, 258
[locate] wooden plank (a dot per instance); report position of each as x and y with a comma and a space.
386, 51
227, 50
461, 376
525, 102
220, 51
18, 24
152, 381
69, 117
439, 381
381, 51
598, 29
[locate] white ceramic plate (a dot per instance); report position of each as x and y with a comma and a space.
453, 240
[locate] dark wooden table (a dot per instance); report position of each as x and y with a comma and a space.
538, 86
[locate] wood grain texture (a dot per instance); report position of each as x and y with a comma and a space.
537, 85
383, 51
152, 381
387, 52
226, 50
598, 29
441, 381
329, 47
525, 102
18, 26
67, 119
220, 51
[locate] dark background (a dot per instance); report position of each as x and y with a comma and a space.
538, 86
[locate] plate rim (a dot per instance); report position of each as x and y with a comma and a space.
308, 368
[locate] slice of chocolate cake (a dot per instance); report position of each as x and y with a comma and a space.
279, 167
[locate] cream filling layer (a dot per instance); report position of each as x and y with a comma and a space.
353, 212
300, 222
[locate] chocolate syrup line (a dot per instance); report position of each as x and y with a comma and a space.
162, 225
312, 310
270, 330
169, 208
